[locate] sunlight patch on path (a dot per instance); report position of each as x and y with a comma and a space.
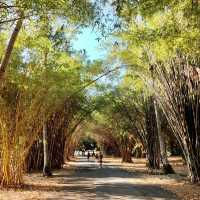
113, 183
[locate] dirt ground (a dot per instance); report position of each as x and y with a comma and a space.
177, 183
85, 180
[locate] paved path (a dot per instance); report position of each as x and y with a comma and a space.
84, 180
111, 182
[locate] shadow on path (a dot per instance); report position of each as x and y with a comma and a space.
89, 182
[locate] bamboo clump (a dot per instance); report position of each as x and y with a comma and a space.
178, 93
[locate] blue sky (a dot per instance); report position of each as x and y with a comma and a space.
87, 40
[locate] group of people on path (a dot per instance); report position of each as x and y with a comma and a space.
99, 157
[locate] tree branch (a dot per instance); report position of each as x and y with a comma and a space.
98, 78
9, 49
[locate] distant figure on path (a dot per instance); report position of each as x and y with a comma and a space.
100, 159
93, 154
88, 156
83, 152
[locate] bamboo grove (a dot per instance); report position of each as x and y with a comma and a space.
52, 96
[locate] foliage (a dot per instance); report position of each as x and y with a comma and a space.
47, 82
154, 33
42, 80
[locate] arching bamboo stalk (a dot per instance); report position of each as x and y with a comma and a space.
178, 94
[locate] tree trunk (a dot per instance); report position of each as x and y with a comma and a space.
192, 163
152, 141
126, 155
46, 166
191, 141
56, 133
167, 168
179, 84
56, 141
6, 58
127, 158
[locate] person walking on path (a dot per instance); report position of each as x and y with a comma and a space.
93, 154
100, 159
88, 156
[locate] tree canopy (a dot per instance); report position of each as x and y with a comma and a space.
137, 100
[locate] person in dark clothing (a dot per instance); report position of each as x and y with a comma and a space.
100, 159
88, 156
93, 154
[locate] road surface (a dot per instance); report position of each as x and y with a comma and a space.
86, 181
